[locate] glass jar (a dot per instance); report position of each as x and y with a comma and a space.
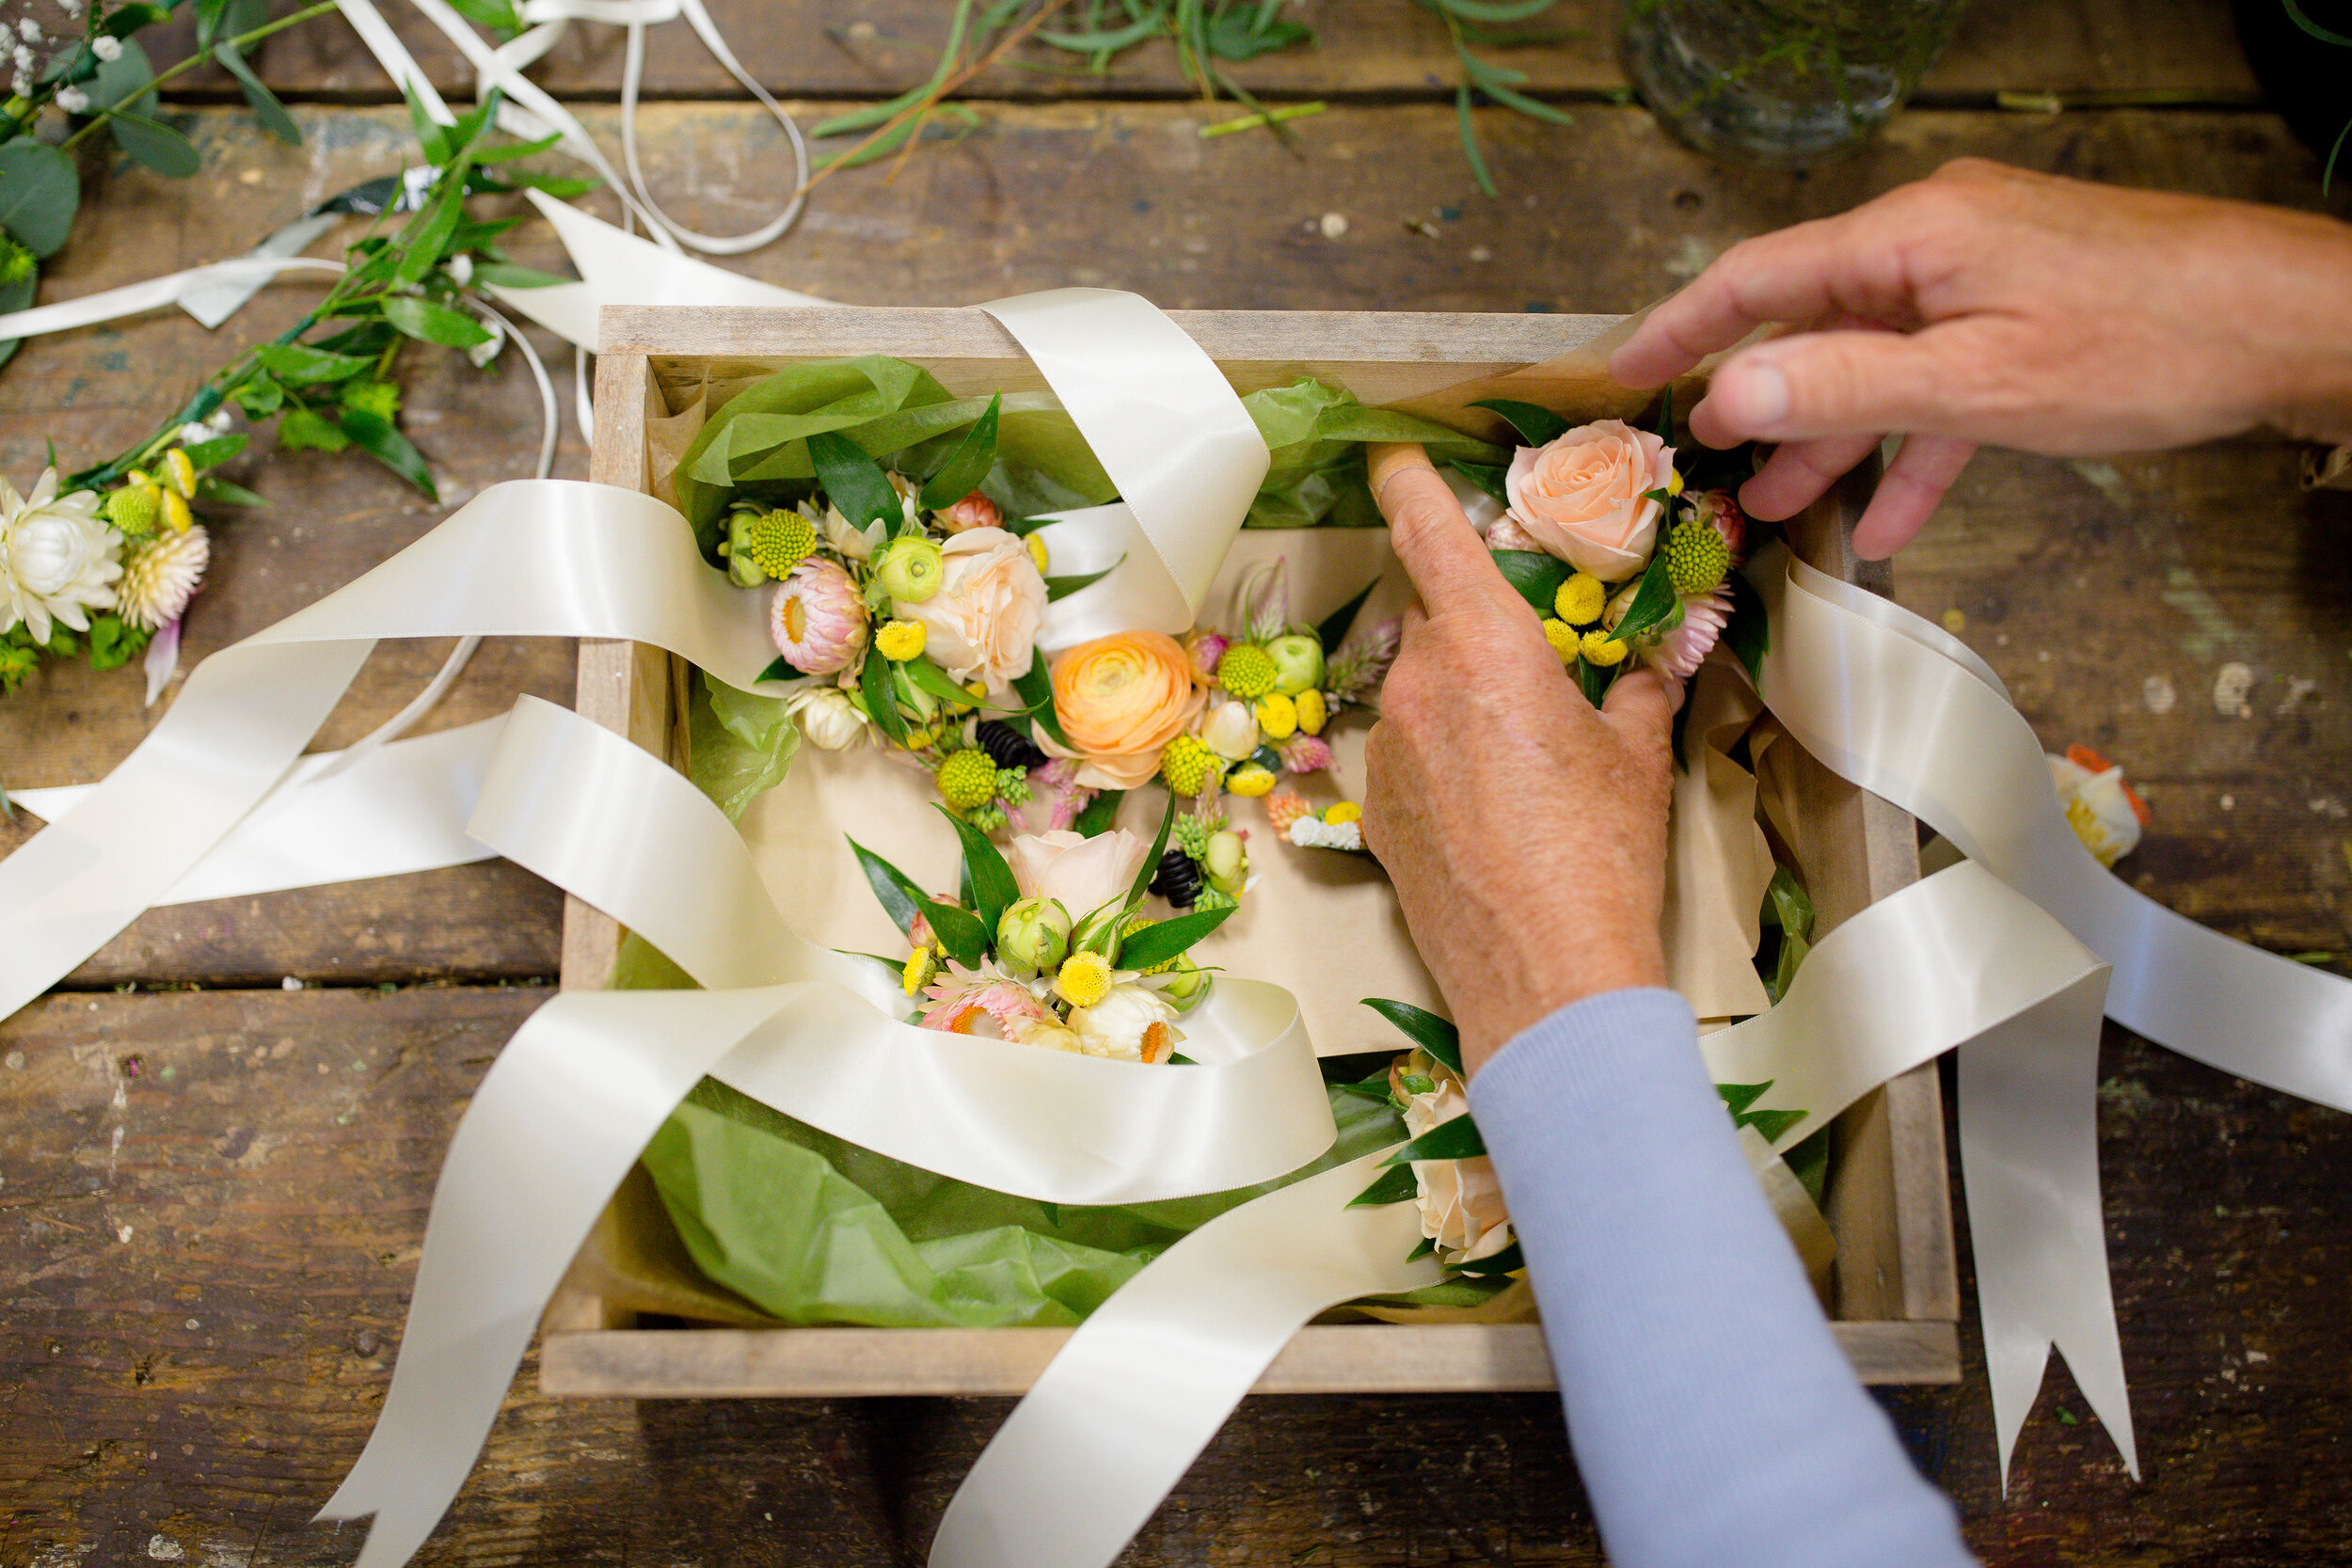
1781, 83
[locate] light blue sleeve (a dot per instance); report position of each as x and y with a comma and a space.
1714, 1420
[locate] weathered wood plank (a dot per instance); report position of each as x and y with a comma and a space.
1367, 49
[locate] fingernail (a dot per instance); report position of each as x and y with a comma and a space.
1758, 395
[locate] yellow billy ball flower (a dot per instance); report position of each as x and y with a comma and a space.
1188, 766
1346, 811
1314, 713
1563, 639
900, 640
177, 516
1580, 599
180, 473
1251, 781
1085, 979
1278, 716
921, 970
1602, 649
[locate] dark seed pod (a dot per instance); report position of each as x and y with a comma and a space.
1009, 746
1178, 879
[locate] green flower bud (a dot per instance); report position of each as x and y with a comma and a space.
742, 569
910, 569
1228, 862
1034, 935
1297, 663
1187, 986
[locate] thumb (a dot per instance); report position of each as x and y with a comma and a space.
1639, 708
1851, 383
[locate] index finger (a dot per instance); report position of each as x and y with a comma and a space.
1442, 553
1830, 266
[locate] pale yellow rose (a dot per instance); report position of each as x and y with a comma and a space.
1460, 1201
984, 620
1581, 496
1079, 873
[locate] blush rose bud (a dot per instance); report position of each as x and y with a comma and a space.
910, 569
1034, 935
1297, 663
1228, 862
1186, 986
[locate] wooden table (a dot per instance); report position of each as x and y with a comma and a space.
212, 1187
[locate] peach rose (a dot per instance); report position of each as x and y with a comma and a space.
1120, 700
1581, 497
990, 605
1460, 1201
1081, 874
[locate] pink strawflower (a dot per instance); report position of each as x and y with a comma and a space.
1704, 618
1722, 508
818, 619
1207, 649
1506, 535
1304, 754
974, 510
966, 1003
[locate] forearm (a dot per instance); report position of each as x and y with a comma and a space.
1714, 1419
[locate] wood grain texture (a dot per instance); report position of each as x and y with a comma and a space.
1383, 50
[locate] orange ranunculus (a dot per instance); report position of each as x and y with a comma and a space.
1120, 700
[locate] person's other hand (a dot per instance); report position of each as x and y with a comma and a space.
1987, 304
1525, 832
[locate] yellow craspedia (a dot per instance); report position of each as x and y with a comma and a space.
900, 640
180, 473
1346, 811
1314, 713
1084, 979
1188, 766
1278, 716
1580, 599
967, 780
1600, 648
1563, 639
1037, 552
1674, 482
1251, 781
177, 516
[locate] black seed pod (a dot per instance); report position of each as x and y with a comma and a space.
1007, 745
1178, 879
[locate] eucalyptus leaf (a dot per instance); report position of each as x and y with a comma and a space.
152, 145
40, 190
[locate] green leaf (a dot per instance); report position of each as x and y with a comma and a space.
959, 931
1457, 1139
515, 151
1336, 626
432, 135
1508, 1261
497, 15
926, 674
1593, 680
993, 889
779, 668
1037, 692
1653, 601
1471, 155
16, 295
505, 275
39, 191
266, 108
300, 365
421, 242
1487, 477
214, 488
304, 430
1737, 1098
1152, 862
1100, 814
125, 19
206, 455
1748, 632
152, 145
1535, 576
967, 464
881, 704
854, 482
1061, 588
1773, 1123
900, 899
260, 396
1538, 426
1163, 939
2296, 14
375, 436
433, 323
1433, 1034
1396, 1184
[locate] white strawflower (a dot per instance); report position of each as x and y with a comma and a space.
827, 717
1133, 1023
161, 576
56, 559
72, 100
107, 49
1313, 833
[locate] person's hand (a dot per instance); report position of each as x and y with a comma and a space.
1987, 304
1525, 832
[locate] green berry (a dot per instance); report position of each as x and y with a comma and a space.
1696, 557
967, 780
134, 508
1246, 671
1188, 766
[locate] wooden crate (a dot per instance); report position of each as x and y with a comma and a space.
1896, 1292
